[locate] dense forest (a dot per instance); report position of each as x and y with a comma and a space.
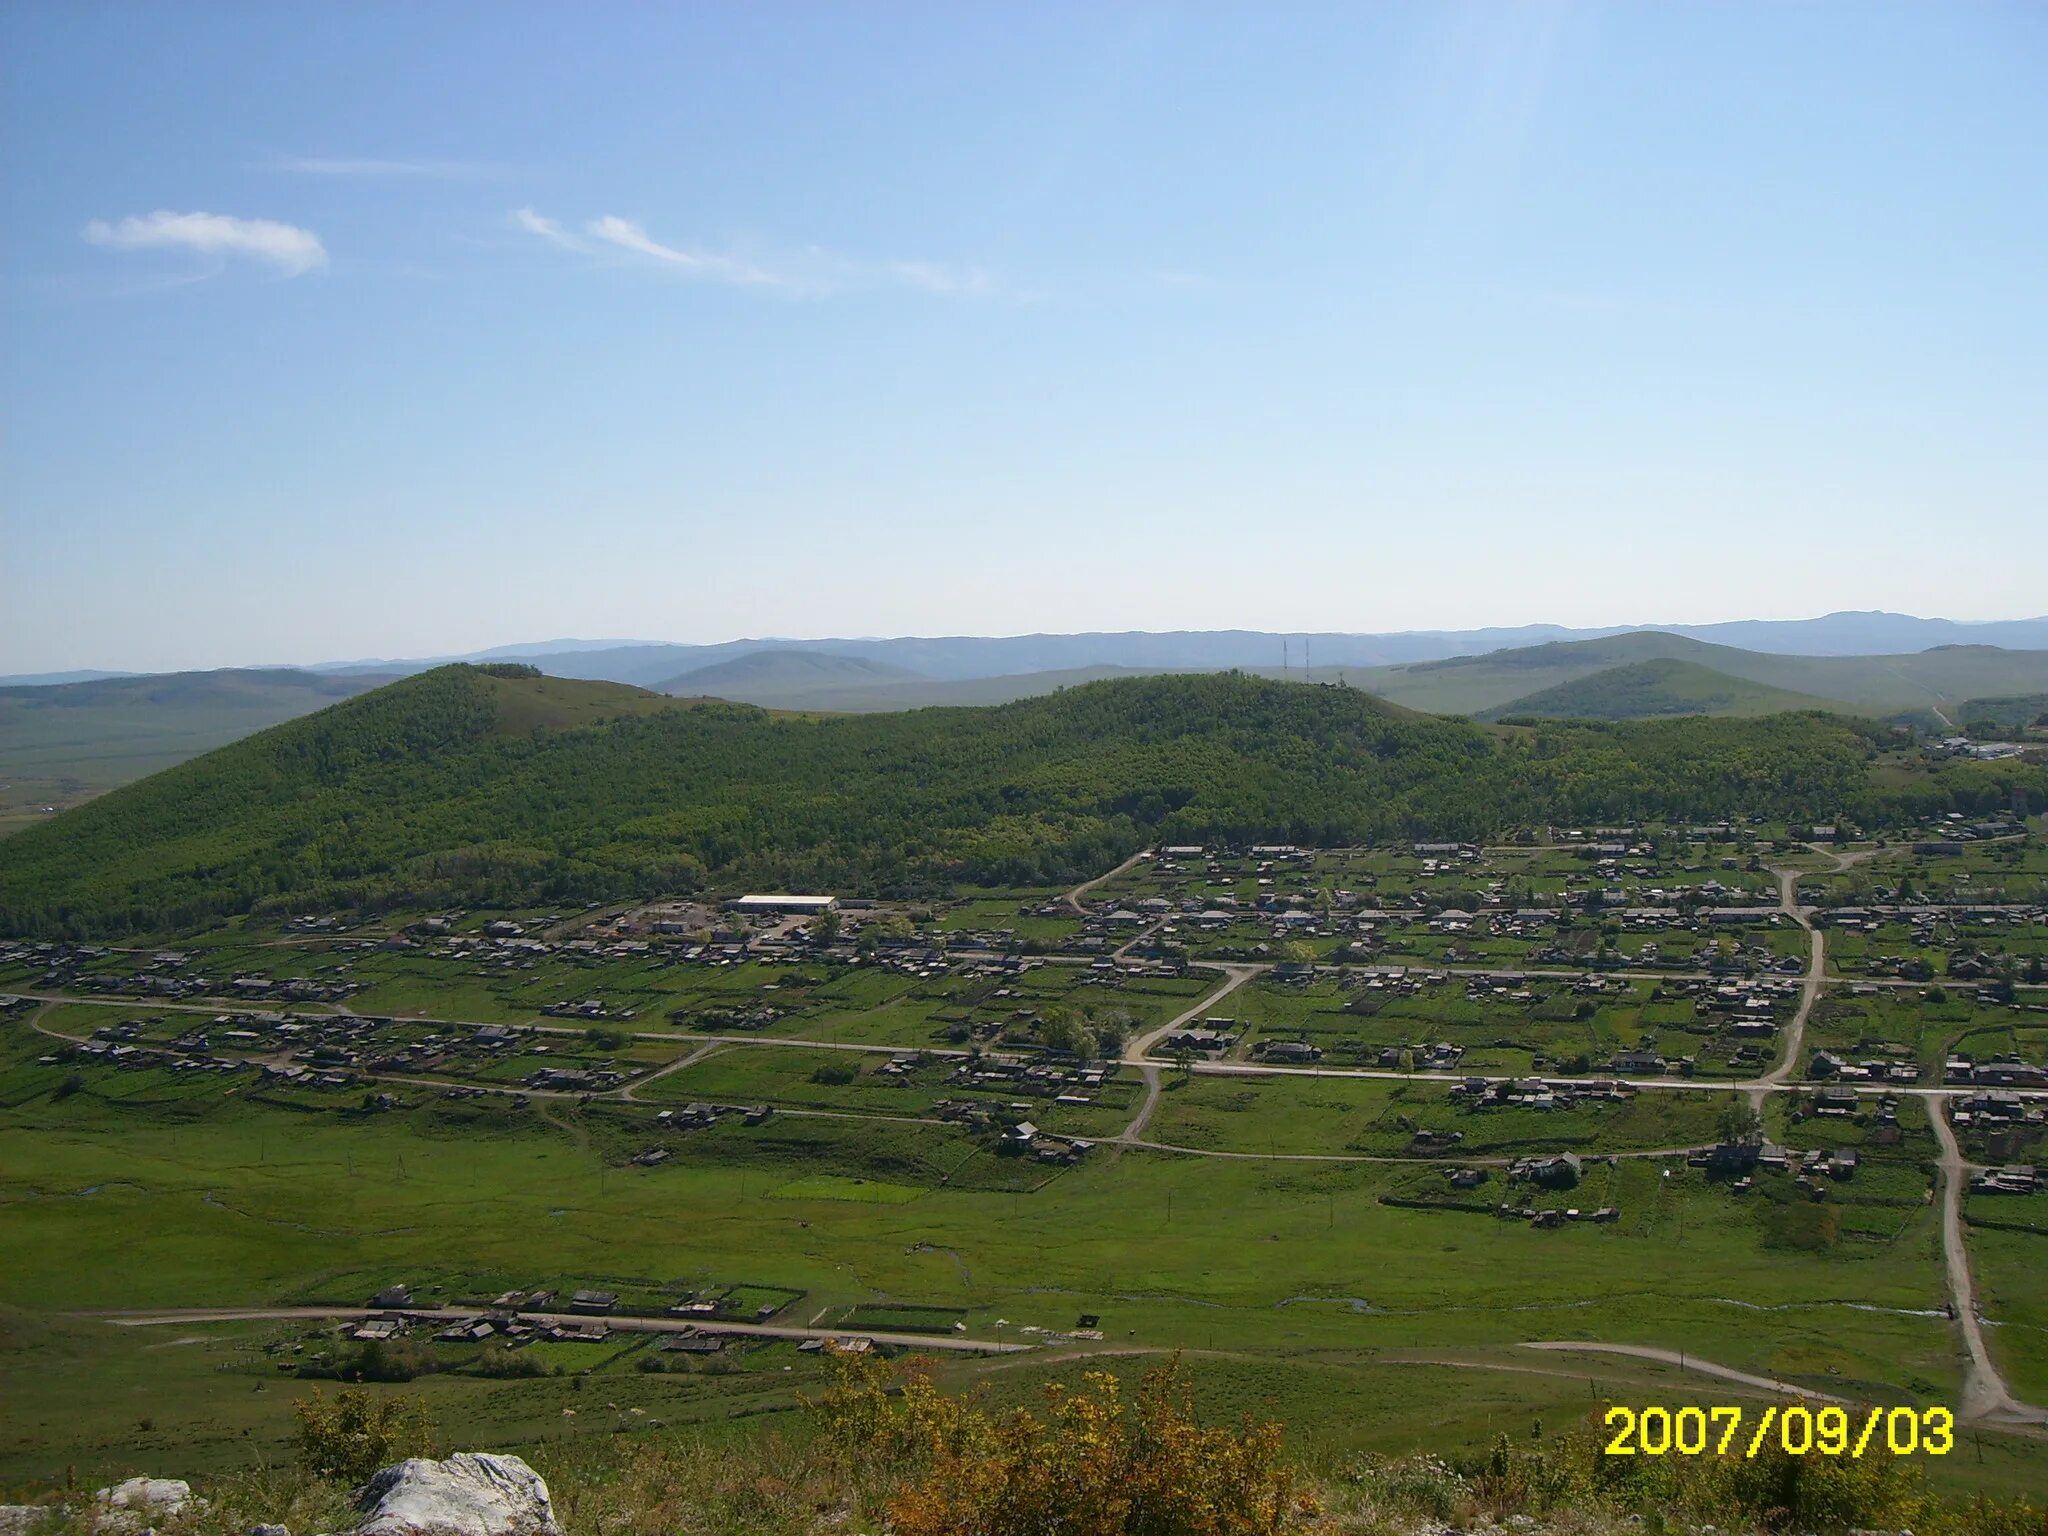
476, 786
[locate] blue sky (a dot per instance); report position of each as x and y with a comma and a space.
337, 330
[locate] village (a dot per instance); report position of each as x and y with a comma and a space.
1549, 981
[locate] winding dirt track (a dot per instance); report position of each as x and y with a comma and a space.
1689, 1362
1073, 897
1140, 1053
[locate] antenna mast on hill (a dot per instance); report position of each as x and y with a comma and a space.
1283, 659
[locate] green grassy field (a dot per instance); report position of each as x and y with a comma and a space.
242, 1198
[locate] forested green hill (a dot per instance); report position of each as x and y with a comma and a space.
1662, 686
2014, 713
459, 786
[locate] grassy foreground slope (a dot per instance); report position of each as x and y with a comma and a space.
468, 785
1663, 686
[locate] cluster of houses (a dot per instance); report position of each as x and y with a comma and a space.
1538, 1092
594, 1008
1026, 1139
2004, 1071
1838, 1101
1063, 1082
1287, 1052
1832, 1067
514, 1329
577, 1079
1556, 1171
1739, 1162
2017, 1179
1977, 751
524, 1317
1994, 1110
1439, 1056
115, 1045
696, 1116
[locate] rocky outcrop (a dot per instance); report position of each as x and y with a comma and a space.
469, 1494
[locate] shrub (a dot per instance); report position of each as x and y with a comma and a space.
1092, 1465
352, 1435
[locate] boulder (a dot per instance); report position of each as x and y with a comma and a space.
469, 1494
15, 1519
270, 1530
139, 1503
146, 1496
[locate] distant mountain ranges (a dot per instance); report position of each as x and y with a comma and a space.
104, 730
957, 658
960, 658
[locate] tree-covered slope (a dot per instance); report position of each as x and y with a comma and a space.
2014, 713
463, 786
1665, 686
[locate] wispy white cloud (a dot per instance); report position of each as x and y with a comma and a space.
548, 229
713, 265
358, 165
808, 273
287, 247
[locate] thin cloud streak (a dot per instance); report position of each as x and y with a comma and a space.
628, 236
287, 247
809, 273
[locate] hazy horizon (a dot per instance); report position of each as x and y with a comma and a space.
512, 650
356, 332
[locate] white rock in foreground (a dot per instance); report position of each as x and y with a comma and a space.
469, 1494
140, 1502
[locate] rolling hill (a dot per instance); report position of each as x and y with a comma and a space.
770, 677
848, 694
1640, 690
494, 786
1933, 680
61, 743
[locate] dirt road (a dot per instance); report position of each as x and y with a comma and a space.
1985, 1395
1073, 897
1690, 1362
1139, 1053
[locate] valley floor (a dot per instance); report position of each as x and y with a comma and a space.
186, 1247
